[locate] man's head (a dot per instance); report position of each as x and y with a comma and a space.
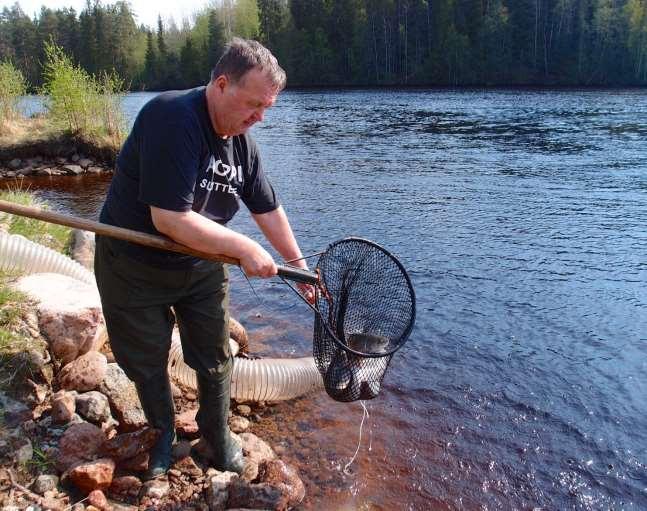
244, 83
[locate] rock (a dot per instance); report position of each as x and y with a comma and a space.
27, 171
83, 247
45, 483
24, 453
285, 478
79, 443
69, 312
122, 395
93, 406
181, 449
129, 445
218, 490
155, 489
15, 164
94, 170
97, 499
244, 410
188, 466
84, 373
44, 172
73, 170
14, 412
238, 333
256, 449
137, 464
85, 162
185, 424
125, 486
61, 160
250, 471
255, 496
63, 407
75, 158
93, 475
238, 424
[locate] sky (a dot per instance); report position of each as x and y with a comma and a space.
145, 10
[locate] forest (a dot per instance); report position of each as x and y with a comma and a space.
323, 43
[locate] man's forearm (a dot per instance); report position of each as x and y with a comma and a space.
193, 230
276, 228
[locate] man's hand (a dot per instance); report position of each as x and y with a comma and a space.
257, 262
308, 292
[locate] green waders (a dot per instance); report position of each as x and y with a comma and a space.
141, 304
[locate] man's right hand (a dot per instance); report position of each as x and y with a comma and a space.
257, 262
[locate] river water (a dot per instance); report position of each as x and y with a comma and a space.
521, 217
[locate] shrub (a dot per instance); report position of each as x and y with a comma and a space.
12, 87
85, 105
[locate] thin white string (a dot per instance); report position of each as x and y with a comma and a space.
359, 443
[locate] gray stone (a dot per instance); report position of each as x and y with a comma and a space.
73, 169
46, 482
155, 489
218, 490
10, 173
15, 412
255, 449
75, 158
244, 410
94, 170
44, 172
85, 162
27, 171
24, 453
93, 406
238, 424
122, 395
15, 164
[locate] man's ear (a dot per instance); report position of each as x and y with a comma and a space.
221, 83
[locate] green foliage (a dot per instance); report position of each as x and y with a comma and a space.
83, 104
56, 237
12, 86
351, 42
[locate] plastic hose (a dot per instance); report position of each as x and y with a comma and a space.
266, 379
270, 379
18, 254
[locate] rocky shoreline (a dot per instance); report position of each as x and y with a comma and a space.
75, 164
74, 436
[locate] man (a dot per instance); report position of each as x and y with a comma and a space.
181, 172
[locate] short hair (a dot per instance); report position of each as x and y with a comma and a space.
242, 55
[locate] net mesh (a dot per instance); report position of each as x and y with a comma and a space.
367, 310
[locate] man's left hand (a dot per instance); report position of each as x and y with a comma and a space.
308, 292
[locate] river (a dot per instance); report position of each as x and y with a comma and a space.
521, 216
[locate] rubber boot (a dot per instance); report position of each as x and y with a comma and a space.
157, 402
222, 451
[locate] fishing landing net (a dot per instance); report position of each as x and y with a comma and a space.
365, 312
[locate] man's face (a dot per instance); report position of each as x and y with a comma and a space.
241, 105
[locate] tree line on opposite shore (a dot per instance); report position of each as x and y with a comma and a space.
350, 42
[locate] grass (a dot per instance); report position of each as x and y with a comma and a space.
56, 237
14, 304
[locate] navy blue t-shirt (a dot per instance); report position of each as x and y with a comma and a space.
173, 160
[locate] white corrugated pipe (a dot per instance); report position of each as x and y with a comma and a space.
269, 379
265, 379
18, 254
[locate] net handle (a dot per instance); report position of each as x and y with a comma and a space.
149, 240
